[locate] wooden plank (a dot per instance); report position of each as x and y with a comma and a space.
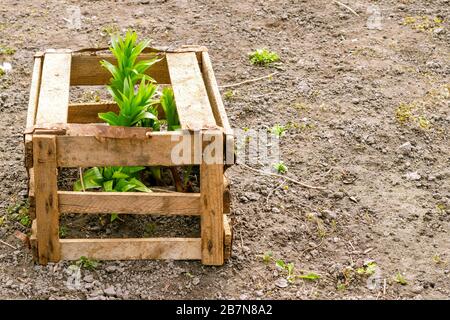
218, 107
190, 93
88, 112
151, 150
129, 249
211, 199
86, 69
227, 237
54, 94
32, 108
214, 96
129, 203
47, 215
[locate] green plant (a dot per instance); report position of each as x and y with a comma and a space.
399, 278
136, 106
7, 50
86, 263
280, 167
150, 229
111, 179
228, 94
267, 257
170, 109
263, 57
291, 276
19, 213
278, 130
62, 231
367, 269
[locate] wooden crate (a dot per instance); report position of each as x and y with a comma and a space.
59, 134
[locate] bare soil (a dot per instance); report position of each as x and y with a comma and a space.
339, 88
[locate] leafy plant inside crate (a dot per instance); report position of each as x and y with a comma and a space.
111, 179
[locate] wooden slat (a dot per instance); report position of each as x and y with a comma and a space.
47, 215
32, 108
226, 196
88, 112
227, 237
211, 199
54, 94
129, 203
189, 90
87, 151
214, 96
86, 69
33, 241
217, 106
129, 249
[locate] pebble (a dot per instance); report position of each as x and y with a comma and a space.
414, 176
110, 291
417, 289
196, 281
405, 148
281, 283
88, 278
276, 210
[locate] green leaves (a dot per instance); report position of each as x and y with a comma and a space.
112, 179
168, 104
263, 57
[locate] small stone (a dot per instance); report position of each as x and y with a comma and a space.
417, 289
439, 30
89, 278
276, 210
196, 281
243, 296
111, 269
353, 199
331, 215
414, 176
405, 148
259, 293
281, 283
110, 291
355, 101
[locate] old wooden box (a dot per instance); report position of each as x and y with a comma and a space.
59, 134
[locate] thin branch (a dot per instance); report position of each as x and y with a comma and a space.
346, 7
282, 177
275, 189
7, 244
247, 81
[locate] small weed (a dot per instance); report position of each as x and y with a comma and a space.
109, 30
2, 220
423, 122
291, 276
280, 167
19, 213
228, 95
150, 229
2, 72
441, 208
7, 51
423, 23
62, 231
404, 112
86, 263
400, 279
278, 130
367, 269
341, 286
263, 57
267, 257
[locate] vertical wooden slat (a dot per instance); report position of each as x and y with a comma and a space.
211, 198
53, 103
46, 198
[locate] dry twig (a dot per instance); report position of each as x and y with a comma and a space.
7, 244
283, 177
247, 81
346, 7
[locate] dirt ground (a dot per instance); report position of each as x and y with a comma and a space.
366, 101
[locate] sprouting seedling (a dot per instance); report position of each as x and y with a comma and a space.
399, 278
263, 57
367, 269
86, 263
62, 231
278, 130
291, 276
280, 167
267, 257
228, 94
